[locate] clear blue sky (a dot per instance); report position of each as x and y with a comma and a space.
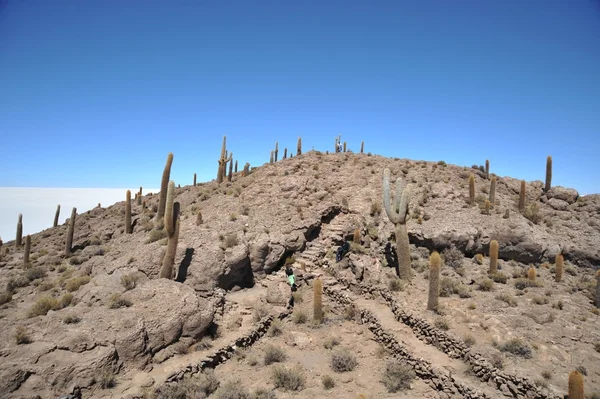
95, 93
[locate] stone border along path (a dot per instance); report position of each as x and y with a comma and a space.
438, 380
220, 356
510, 385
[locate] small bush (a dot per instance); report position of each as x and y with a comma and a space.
342, 361
397, 376
233, 216
231, 240
259, 313
540, 300
442, 324
16, 282
65, 301
453, 257
264, 393
129, 281
532, 212
5, 297
478, 259
71, 319
274, 354
547, 374
486, 285
469, 340
375, 209
558, 305
21, 336
275, 329
116, 302
497, 360
287, 378
73, 284
331, 342
327, 381
42, 306
156, 235
395, 284
518, 347
448, 287
107, 380
232, 390
500, 278
76, 260
522, 283
35, 273
349, 313
507, 298
299, 317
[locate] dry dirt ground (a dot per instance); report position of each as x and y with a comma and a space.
101, 320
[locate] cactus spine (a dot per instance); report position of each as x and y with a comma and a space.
559, 266
531, 274
19, 237
398, 215
194, 180
493, 191
299, 146
522, 196
128, 227
576, 385
471, 190
317, 301
27, 251
70, 231
56, 215
172, 228
362, 147
493, 257
163, 187
276, 150
548, 173
230, 175
435, 263
487, 169
223, 161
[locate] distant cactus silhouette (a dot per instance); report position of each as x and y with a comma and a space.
548, 173
246, 170
435, 262
194, 180
576, 385
299, 146
230, 175
27, 251
276, 150
271, 159
317, 301
19, 237
285, 153
487, 169
362, 147
344, 146
223, 159
128, 226
56, 215
471, 190
522, 194
70, 231
493, 191
235, 167
139, 197
559, 266
398, 215
163, 187
493, 257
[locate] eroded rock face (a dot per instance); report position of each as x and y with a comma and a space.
568, 195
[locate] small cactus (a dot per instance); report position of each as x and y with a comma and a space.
276, 152
19, 237
548, 173
128, 226
70, 231
487, 168
299, 146
493, 257
317, 301
576, 385
559, 266
56, 215
235, 167
356, 237
230, 175
246, 170
471, 190
486, 207
194, 180
199, 219
531, 274
493, 191
285, 153
27, 251
163, 187
344, 146
522, 196
271, 159
362, 147
435, 263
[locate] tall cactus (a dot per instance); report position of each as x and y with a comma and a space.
56, 215
223, 159
548, 173
70, 231
317, 301
27, 251
471, 190
230, 175
493, 257
559, 263
276, 150
487, 169
128, 226
172, 228
362, 147
163, 187
299, 146
435, 263
285, 153
398, 215
493, 191
522, 194
19, 237
235, 167
576, 385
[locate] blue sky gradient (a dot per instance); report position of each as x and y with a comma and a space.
95, 93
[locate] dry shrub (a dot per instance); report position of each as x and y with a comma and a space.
290, 379
116, 301
274, 354
129, 281
22, 336
73, 284
397, 376
342, 361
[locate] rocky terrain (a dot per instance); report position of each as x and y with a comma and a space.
100, 323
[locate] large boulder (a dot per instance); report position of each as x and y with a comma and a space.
568, 195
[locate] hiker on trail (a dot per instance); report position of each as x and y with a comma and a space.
292, 281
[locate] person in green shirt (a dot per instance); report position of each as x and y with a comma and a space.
292, 281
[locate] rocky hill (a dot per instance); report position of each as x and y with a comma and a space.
100, 323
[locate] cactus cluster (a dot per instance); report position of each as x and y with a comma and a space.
172, 227
398, 214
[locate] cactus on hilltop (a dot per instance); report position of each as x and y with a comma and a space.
548, 173
128, 226
299, 146
70, 231
56, 215
27, 251
19, 237
163, 187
